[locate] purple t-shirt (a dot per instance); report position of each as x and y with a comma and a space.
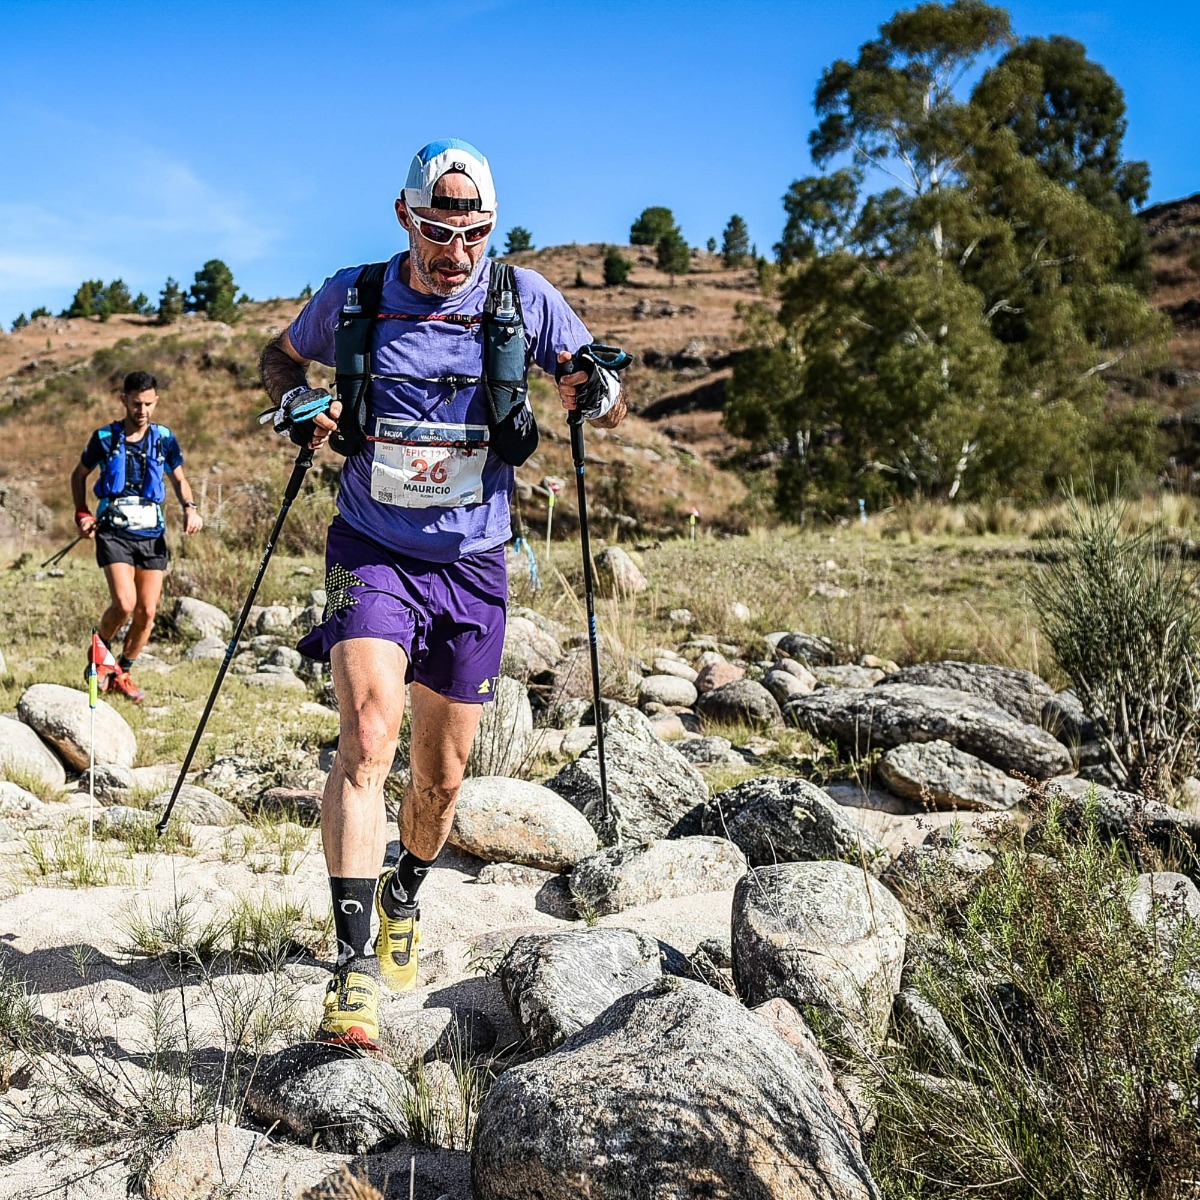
431, 349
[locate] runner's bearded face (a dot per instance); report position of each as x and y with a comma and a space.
446, 269
139, 408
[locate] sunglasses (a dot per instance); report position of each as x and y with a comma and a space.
443, 235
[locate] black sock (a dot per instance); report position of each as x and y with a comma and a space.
125, 663
400, 896
352, 901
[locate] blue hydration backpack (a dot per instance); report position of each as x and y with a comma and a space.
111, 482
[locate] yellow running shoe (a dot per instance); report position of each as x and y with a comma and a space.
397, 944
351, 1012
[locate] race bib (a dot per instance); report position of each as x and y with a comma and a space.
428, 464
138, 514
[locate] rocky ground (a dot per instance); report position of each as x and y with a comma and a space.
611, 997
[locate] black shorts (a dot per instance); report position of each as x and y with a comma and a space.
144, 554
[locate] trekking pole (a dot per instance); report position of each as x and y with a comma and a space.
59, 555
304, 460
575, 421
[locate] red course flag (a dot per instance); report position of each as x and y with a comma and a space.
102, 658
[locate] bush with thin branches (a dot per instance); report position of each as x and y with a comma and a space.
1118, 612
1064, 1069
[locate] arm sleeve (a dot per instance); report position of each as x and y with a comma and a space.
311, 333
172, 454
93, 453
550, 322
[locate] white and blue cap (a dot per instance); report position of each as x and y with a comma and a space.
438, 159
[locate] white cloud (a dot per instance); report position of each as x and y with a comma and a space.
98, 203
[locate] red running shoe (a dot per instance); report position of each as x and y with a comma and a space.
122, 683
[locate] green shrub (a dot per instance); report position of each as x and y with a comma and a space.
1077, 1027
1124, 627
616, 267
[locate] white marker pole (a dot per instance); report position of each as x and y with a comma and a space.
552, 488
92, 688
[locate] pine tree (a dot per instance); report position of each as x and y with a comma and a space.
114, 299
19, 322
673, 254
735, 242
616, 267
86, 300
650, 227
711, 245
170, 303
214, 292
517, 239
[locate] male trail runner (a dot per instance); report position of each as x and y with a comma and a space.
135, 458
416, 581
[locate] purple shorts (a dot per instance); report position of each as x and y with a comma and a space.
448, 618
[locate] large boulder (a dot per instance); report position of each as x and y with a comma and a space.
629, 876
941, 776
205, 650
774, 819
785, 686
848, 675
617, 574
274, 619
710, 751
529, 651
1123, 817
888, 715
1169, 902
556, 983
195, 619
743, 702
668, 690
323, 1095
1019, 693
653, 791
824, 934
62, 717
512, 820
23, 753
714, 675
666, 665
809, 649
673, 1092
16, 801
113, 785
198, 806
505, 728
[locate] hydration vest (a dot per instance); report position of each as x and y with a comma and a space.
513, 432
111, 482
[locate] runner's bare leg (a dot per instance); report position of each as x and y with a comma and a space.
148, 586
122, 589
443, 731
368, 674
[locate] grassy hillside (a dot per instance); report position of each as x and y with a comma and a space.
59, 378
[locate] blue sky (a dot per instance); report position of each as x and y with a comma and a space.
140, 139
